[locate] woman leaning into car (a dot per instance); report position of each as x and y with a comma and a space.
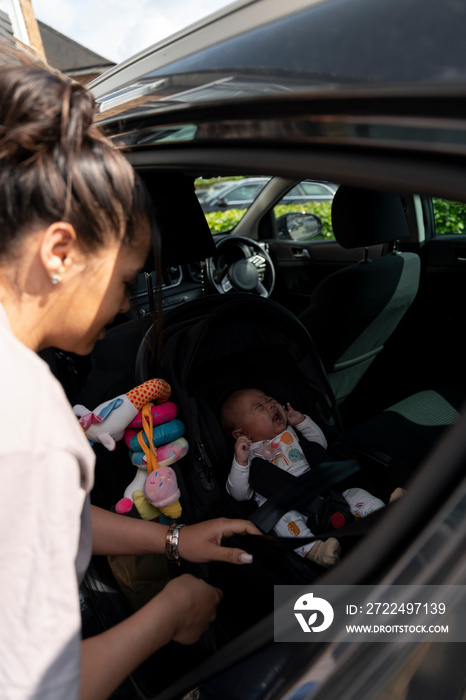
74, 230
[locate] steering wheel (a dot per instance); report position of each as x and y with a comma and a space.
240, 264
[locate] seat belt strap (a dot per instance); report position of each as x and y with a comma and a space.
303, 489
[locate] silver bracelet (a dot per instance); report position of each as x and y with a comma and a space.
171, 542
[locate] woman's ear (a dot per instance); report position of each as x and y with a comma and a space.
57, 248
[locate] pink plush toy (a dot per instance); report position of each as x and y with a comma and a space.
135, 491
161, 490
107, 423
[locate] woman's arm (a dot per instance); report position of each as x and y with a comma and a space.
115, 534
182, 611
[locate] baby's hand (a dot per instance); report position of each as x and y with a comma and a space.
242, 450
294, 417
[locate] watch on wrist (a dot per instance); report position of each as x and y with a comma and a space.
171, 541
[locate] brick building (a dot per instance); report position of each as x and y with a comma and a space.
19, 26
71, 58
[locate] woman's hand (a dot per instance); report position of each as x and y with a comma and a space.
202, 542
193, 604
182, 612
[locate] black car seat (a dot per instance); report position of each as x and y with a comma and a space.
354, 311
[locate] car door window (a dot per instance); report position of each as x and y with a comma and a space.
449, 217
305, 198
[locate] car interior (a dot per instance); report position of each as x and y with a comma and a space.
352, 330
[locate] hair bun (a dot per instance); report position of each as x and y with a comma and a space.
40, 111
55, 164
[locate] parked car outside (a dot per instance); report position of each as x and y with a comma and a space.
240, 194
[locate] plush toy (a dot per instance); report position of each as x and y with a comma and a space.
107, 423
161, 413
166, 454
161, 434
154, 489
161, 490
159, 496
134, 492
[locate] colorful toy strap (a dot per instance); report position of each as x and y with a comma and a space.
149, 450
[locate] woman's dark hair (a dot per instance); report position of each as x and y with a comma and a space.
55, 165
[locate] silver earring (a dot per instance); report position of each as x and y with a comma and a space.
55, 278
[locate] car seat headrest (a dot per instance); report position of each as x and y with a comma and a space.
362, 218
184, 232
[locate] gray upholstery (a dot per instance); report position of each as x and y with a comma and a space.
408, 430
354, 311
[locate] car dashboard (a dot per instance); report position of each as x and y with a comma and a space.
180, 284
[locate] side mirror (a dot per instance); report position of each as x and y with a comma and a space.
299, 226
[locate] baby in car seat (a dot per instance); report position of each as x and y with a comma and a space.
264, 428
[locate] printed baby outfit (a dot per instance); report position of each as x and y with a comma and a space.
286, 453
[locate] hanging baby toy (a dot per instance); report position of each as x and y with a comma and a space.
107, 423
154, 489
154, 437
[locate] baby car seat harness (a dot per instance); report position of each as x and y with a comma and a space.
311, 493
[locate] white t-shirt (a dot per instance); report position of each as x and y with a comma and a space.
46, 474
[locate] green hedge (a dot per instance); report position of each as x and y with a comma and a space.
222, 221
449, 217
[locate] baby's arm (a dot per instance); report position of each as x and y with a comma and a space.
294, 417
238, 478
242, 450
306, 426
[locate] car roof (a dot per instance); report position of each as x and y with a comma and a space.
253, 47
239, 182
262, 72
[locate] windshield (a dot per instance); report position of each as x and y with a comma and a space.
226, 200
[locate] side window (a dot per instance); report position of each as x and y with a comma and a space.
449, 217
305, 212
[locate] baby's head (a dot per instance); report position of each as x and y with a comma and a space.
251, 413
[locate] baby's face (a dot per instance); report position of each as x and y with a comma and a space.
260, 416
